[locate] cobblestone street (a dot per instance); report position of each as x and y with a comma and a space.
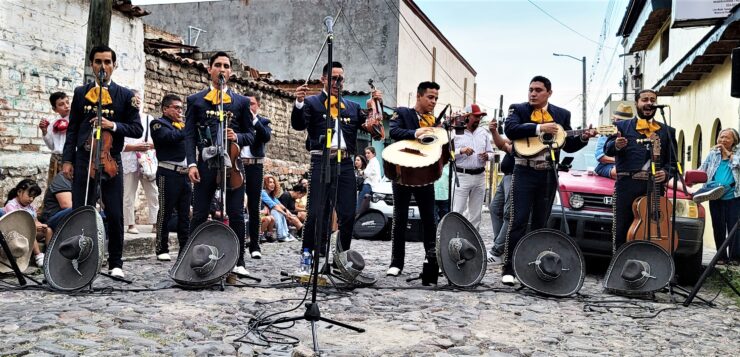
400, 318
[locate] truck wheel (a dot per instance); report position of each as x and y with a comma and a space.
689, 269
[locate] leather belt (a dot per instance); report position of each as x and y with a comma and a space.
637, 175
535, 164
477, 171
252, 160
332, 152
177, 168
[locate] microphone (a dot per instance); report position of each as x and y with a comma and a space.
329, 23
101, 75
221, 78
659, 106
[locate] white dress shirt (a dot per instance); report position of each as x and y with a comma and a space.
55, 141
372, 172
334, 138
479, 141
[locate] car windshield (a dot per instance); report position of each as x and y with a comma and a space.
583, 159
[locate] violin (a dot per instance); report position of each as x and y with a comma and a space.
107, 162
234, 176
377, 131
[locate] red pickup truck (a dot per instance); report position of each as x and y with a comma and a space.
587, 198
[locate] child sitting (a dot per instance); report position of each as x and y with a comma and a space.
20, 198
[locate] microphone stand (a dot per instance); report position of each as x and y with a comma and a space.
97, 132
323, 210
677, 175
221, 148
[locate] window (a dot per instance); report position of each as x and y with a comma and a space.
665, 40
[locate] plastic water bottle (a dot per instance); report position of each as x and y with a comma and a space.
306, 261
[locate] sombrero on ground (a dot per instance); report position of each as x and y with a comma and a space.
639, 267
460, 251
19, 231
549, 262
75, 253
210, 254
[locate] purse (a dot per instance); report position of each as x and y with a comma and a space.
147, 159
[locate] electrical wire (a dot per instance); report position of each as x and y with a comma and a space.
562, 23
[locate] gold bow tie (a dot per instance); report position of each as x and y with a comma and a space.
212, 97
178, 124
427, 120
646, 127
541, 117
92, 95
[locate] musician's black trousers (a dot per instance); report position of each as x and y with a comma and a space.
626, 191
424, 196
174, 193
203, 194
112, 199
534, 192
345, 200
253, 186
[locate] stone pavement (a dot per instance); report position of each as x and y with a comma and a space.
401, 318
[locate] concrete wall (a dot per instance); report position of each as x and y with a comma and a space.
415, 65
680, 42
42, 45
284, 37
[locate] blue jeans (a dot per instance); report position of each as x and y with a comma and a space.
365, 190
500, 208
281, 225
54, 220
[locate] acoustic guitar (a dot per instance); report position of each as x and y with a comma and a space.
652, 216
417, 162
533, 145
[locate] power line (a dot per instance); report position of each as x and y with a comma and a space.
562, 23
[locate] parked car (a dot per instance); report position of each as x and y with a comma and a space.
587, 200
382, 200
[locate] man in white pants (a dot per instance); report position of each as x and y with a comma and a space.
473, 150
132, 176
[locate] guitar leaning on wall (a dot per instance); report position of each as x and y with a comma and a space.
533, 145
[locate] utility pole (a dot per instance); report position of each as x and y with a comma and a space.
98, 30
584, 92
583, 73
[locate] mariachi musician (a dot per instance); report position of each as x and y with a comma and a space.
405, 124
308, 114
632, 159
120, 119
175, 191
534, 181
201, 133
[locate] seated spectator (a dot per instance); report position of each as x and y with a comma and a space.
270, 193
57, 201
267, 224
606, 167
288, 199
20, 198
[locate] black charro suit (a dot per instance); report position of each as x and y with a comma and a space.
310, 117
127, 124
630, 160
175, 191
403, 126
197, 126
533, 188
253, 172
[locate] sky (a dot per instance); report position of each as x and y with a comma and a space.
508, 42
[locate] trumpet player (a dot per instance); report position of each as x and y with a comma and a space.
172, 174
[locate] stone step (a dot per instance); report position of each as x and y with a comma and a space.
142, 245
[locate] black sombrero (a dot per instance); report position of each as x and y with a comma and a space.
75, 254
351, 264
210, 254
639, 267
460, 251
19, 231
549, 262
